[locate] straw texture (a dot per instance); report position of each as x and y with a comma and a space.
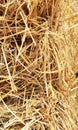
38, 65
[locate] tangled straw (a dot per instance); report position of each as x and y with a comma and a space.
38, 65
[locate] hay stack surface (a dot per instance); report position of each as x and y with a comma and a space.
38, 65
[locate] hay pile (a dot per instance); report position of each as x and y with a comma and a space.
38, 64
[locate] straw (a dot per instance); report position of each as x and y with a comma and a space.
39, 65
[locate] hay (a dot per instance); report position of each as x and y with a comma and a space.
38, 65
